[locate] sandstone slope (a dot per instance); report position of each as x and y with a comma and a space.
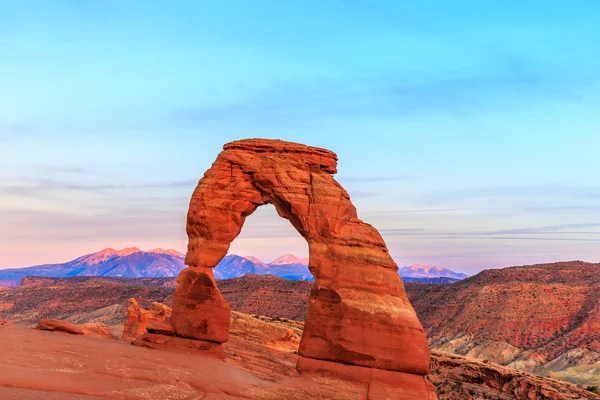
525, 317
260, 364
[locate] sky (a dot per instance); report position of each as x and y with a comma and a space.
467, 131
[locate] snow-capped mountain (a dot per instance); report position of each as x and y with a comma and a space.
132, 262
286, 259
422, 271
287, 266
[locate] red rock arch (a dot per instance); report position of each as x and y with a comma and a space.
358, 311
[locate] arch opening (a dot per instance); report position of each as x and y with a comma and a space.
272, 243
271, 254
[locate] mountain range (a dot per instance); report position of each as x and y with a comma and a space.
132, 262
128, 262
422, 271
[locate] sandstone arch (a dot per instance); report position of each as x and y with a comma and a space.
358, 311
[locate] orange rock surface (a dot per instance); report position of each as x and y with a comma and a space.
59, 326
461, 378
99, 330
358, 310
138, 319
182, 345
38, 365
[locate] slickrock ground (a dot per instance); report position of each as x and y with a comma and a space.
38, 365
260, 364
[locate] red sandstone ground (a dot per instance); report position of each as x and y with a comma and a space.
48, 365
260, 364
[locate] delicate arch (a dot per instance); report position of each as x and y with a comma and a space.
358, 310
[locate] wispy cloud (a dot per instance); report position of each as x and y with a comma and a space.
65, 169
34, 187
545, 191
569, 208
565, 232
432, 210
545, 229
370, 179
362, 194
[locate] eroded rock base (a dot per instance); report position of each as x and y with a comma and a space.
177, 344
382, 384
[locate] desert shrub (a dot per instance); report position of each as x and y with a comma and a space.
593, 389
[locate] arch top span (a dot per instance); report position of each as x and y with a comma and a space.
295, 178
326, 159
358, 311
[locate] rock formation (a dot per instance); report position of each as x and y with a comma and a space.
59, 326
4, 322
138, 320
151, 328
358, 311
461, 378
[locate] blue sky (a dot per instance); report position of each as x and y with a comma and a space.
467, 131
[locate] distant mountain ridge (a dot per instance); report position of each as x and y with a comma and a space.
422, 271
286, 266
131, 262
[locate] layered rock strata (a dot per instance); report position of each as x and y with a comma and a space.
358, 311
